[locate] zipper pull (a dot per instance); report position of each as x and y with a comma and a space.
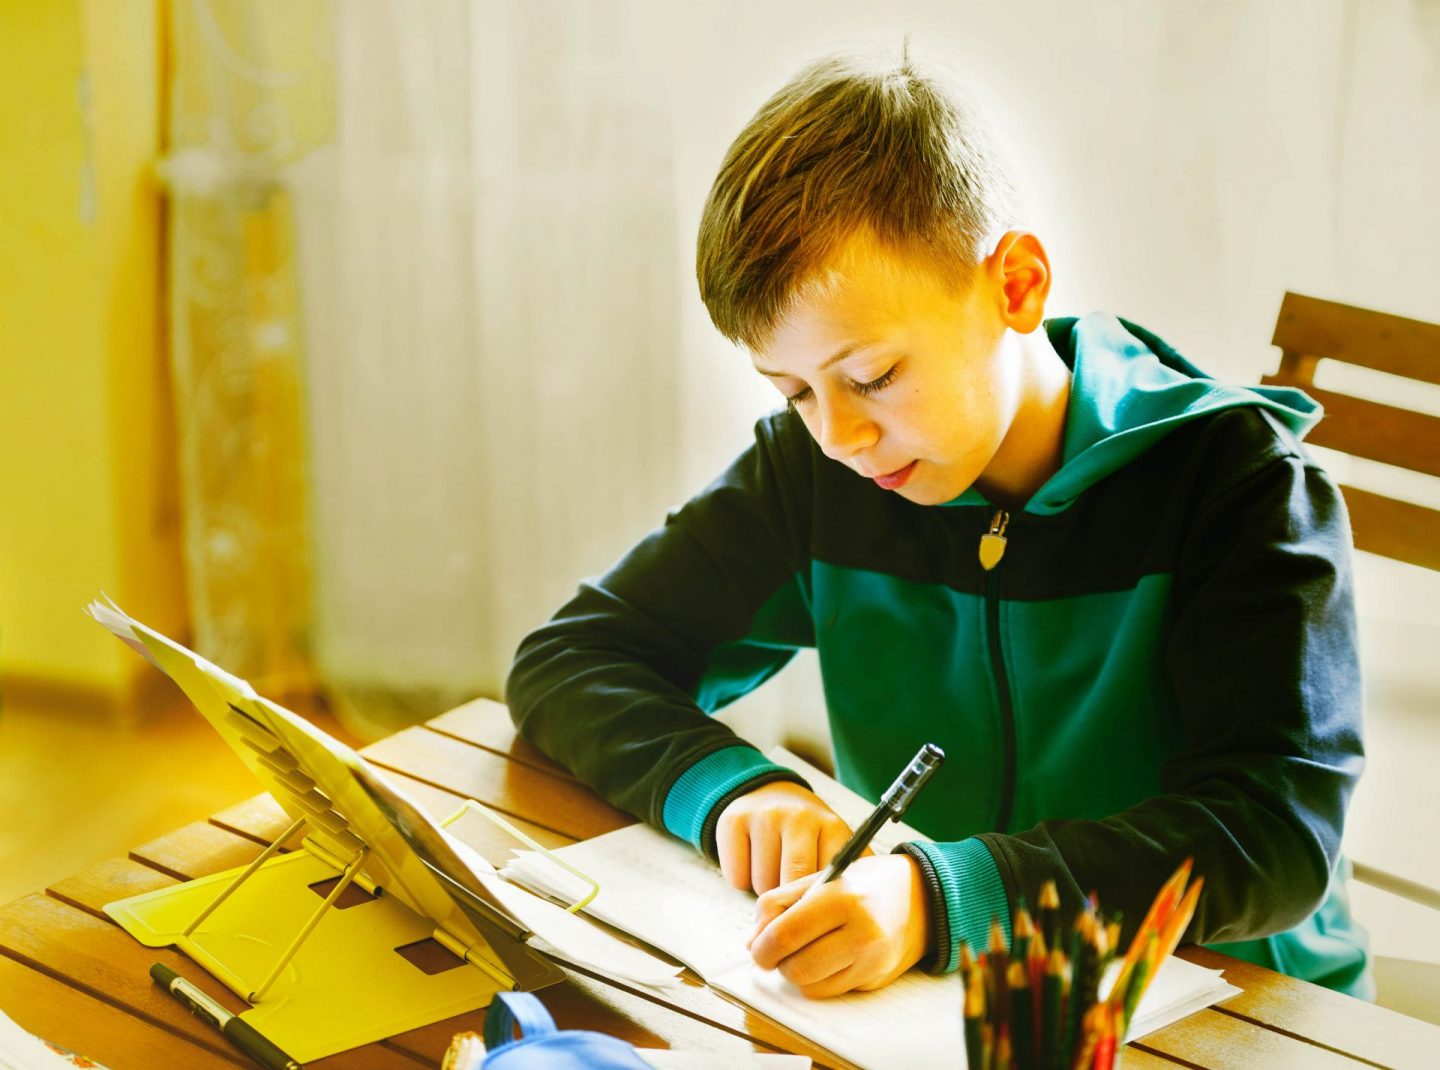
992, 543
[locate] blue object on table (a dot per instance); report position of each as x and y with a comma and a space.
543, 1047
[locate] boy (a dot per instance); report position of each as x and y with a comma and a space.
1115, 592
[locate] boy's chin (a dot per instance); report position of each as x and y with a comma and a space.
927, 495
934, 491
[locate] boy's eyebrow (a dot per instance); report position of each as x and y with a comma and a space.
836, 359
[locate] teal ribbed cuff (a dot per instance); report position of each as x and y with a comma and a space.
699, 788
971, 894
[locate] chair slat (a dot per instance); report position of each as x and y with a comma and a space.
1391, 528
1377, 340
1395, 436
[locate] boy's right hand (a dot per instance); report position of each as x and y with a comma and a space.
776, 834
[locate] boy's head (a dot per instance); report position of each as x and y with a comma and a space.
847, 145
857, 241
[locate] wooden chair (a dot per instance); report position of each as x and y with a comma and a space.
1310, 330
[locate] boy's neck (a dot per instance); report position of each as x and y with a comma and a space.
1033, 448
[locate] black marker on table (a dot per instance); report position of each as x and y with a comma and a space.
242, 1034
892, 807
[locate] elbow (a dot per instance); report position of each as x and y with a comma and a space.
1286, 881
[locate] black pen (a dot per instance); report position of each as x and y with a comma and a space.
892, 807
242, 1034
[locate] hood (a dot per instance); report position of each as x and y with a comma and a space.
1128, 390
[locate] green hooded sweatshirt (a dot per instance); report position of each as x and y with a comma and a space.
1161, 664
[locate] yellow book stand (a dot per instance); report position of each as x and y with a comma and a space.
331, 944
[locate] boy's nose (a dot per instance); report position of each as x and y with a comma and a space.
844, 430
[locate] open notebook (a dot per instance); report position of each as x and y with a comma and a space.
661, 891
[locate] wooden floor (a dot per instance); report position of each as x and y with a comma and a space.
76, 788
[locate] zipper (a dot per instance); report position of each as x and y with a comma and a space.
992, 549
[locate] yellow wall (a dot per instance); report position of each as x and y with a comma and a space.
86, 453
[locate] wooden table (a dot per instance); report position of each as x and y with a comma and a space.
69, 974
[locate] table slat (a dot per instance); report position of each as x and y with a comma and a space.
487, 724
101, 960
1132, 1058
516, 789
1223, 1042
90, 1027
1337, 1021
259, 818
115, 878
175, 853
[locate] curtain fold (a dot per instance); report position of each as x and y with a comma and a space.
244, 101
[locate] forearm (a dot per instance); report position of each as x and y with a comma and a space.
1266, 865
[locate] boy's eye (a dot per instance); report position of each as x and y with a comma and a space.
876, 384
803, 395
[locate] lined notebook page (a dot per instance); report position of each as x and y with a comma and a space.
916, 1021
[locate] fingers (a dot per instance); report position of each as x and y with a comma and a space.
780, 851
732, 847
764, 861
833, 836
882, 980
775, 834
835, 985
775, 902
861, 930
802, 923
818, 962
799, 851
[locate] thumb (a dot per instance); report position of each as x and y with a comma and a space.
776, 901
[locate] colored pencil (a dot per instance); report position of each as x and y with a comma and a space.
999, 968
974, 1021
1022, 1029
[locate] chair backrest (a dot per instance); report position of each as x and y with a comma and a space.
1310, 330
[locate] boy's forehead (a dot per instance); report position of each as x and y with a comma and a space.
861, 293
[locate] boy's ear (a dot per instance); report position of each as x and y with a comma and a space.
1020, 268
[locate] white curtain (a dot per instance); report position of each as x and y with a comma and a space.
491, 293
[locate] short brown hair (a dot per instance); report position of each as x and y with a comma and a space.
845, 145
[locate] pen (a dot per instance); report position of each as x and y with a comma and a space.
892, 807
242, 1034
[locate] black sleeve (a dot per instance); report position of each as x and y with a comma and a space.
617, 686
1262, 658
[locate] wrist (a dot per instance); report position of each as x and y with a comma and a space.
921, 929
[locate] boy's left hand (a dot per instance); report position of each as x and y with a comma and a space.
858, 932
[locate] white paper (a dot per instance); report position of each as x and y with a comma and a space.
22, 1050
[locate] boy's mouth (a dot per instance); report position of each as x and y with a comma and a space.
896, 479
